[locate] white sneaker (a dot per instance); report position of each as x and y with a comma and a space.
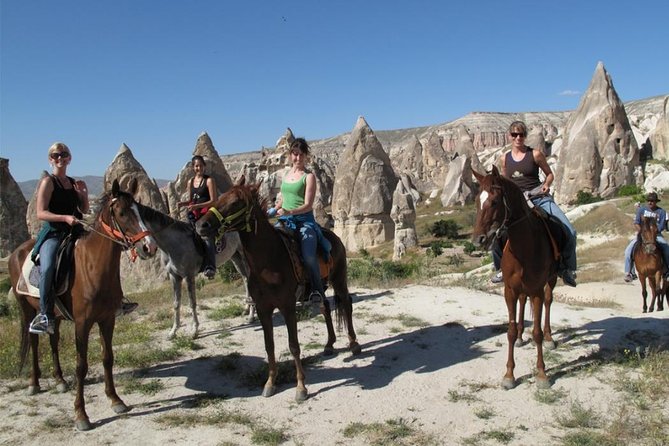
498, 277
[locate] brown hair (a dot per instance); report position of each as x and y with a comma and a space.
518, 127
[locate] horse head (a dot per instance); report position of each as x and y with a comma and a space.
233, 211
648, 234
121, 220
492, 211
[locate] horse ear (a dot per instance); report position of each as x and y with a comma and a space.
477, 175
241, 181
115, 188
495, 172
133, 187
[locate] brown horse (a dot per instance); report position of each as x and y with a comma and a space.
273, 282
649, 264
94, 294
529, 262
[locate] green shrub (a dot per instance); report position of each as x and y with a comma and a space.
435, 249
583, 197
444, 228
468, 247
229, 273
629, 190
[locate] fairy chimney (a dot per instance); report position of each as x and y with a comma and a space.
13, 208
363, 191
599, 154
403, 213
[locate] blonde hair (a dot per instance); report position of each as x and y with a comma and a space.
58, 147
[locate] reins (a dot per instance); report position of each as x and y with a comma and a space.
241, 218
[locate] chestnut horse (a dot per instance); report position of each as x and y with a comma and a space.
529, 262
649, 264
273, 282
94, 294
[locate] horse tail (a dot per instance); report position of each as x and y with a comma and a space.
24, 345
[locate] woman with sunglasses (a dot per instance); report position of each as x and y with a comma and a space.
521, 165
61, 202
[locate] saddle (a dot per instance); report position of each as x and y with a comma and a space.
556, 231
28, 283
292, 243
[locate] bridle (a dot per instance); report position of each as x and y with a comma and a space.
237, 221
116, 234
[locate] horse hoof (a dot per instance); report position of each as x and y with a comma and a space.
120, 408
194, 335
32, 390
355, 348
328, 351
268, 391
549, 345
301, 395
171, 335
508, 383
543, 383
61, 387
83, 425
519, 342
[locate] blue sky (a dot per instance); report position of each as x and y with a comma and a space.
155, 74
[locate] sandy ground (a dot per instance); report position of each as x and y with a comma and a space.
436, 376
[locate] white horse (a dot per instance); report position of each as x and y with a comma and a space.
182, 254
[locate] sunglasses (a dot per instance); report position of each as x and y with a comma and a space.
59, 155
516, 135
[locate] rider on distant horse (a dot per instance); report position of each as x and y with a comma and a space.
522, 165
652, 210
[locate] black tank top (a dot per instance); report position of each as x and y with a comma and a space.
525, 173
199, 194
64, 202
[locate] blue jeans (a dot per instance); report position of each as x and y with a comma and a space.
569, 249
664, 246
309, 244
47, 262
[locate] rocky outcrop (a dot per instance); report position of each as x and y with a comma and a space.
659, 136
599, 154
34, 224
459, 187
13, 208
363, 191
142, 274
179, 189
403, 213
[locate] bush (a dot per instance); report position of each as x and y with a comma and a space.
468, 247
435, 249
583, 197
444, 228
229, 273
629, 190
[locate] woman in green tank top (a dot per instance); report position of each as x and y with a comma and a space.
295, 210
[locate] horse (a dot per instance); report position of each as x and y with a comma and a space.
93, 295
529, 262
649, 264
182, 253
273, 282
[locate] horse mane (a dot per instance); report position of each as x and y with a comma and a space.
161, 218
251, 194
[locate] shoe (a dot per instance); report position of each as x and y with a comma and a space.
568, 277
497, 278
127, 307
42, 325
629, 277
210, 272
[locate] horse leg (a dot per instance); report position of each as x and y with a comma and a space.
549, 343
265, 316
241, 266
345, 304
294, 345
61, 385
190, 283
522, 299
509, 381
661, 296
653, 282
176, 305
644, 293
325, 309
107, 333
538, 336
82, 331
29, 314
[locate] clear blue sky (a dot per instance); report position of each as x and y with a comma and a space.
155, 74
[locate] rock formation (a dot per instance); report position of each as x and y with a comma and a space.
33, 223
13, 208
403, 213
659, 137
599, 154
179, 189
363, 190
459, 187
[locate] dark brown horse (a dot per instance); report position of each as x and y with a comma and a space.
272, 282
649, 264
529, 262
94, 294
